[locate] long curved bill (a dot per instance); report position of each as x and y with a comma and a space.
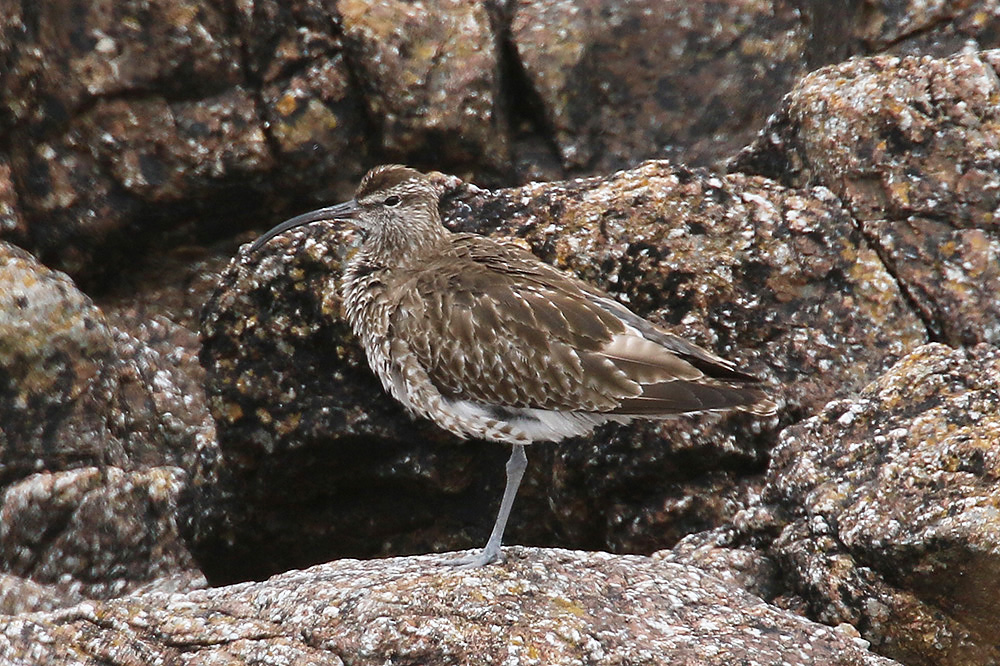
345, 211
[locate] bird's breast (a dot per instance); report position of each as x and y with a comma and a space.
368, 311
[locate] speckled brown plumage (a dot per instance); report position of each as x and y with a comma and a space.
487, 341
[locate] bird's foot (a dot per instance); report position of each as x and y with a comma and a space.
474, 561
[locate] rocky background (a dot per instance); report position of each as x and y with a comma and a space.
810, 188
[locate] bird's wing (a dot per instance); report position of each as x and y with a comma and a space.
495, 326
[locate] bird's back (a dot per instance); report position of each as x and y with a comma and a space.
493, 327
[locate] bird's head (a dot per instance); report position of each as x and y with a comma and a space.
393, 203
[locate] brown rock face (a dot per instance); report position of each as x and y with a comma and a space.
92, 533
893, 496
56, 376
555, 607
858, 226
912, 147
95, 425
125, 120
621, 80
430, 71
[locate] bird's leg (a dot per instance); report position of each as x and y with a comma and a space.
516, 465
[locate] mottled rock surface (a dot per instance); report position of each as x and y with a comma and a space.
880, 512
542, 606
430, 77
616, 80
893, 501
140, 141
93, 533
920, 28
912, 148
79, 392
123, 120
93, 424
57, 377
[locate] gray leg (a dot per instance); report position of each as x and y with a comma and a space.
516, 465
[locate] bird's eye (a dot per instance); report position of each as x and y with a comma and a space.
392, 200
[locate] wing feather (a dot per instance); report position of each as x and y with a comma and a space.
492, 325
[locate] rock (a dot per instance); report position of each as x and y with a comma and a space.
132, 161
716, 552
618, 83
78, 392
11, 219
314, 114
93, 423
892, 504
542, 606
93, 533
919, 28
132, 128
912, 147
430, 71
71, 53
58, 376
317, 129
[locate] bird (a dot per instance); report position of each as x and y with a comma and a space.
489, 342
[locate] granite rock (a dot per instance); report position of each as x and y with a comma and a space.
430, 79
78, 391
619, 82
892, 497
137, 126
542, 606
58, 376
94, 423
92, 533
912, 147
133, 136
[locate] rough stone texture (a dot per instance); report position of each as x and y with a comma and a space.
125, 159
58, 381
619, 81
139, 132
317, 128
69, 52
161, 398
124, 120
93, 533
718, 552
11, 219
742, 266
429, 70
100, 415
893, 502
313, 113
125, 115
912, 147
938, 28
169, 291
543, 606
77, 391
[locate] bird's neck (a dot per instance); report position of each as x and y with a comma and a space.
385, 258
403, 247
